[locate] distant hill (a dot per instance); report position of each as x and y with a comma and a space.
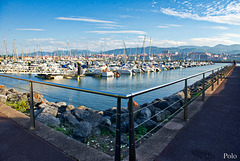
218, 49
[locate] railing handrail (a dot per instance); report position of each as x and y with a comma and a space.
111, 94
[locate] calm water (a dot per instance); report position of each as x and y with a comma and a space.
124, 85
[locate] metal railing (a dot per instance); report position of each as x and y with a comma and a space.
221, 73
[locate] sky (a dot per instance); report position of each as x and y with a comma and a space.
100, 25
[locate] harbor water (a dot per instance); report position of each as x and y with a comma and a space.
125, 84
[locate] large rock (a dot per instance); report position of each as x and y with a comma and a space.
106, 122
81, 107
48, 119
59, 104
68, 119
3, 98
148, 124
12, 90
69, 107
37, 98
160, 103
3, 90
113, 110
65, 108
88, 115
13, 97
159, 115
110, 111
124, 117
51, 110
145, 113
82, 131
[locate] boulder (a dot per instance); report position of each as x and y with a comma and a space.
70, 107
12, 90
82, 131
160, 103
13, 97
62, 109
88, 115
43, 105
48, 119
159, 115
149, 124
68, 118
175, 101
124, 117
113, 110
110, 111
51, 110
3, 98
166, 112
145, 113
59, 104
81, 107
106, 121
3, 90
96, 131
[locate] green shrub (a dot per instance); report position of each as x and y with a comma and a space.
20, 106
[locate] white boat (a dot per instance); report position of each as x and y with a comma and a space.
124, 71
107, 74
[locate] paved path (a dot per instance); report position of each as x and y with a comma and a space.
214, 132
17, 144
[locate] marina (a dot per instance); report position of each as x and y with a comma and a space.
107, 76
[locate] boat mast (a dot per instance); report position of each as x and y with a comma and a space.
150, 48
70, 54
6, 49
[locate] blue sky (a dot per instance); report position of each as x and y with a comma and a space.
97, 25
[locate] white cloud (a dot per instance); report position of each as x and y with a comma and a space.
84, 20
29, 29
168, 43
162, 27
218, 12
119, 32
168, 26
126, 16
210, 41
230, 35
219, 27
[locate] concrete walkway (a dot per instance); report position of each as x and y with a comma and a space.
214, 132
17, 144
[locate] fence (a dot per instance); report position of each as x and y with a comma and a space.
206, 82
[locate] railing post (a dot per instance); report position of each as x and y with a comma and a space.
185, 102
203, 88
118, 131
212, 80
32, 117
221, 73
132, 153
218, 77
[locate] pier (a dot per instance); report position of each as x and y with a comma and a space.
211, 134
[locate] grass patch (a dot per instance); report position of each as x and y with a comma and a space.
20, 106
